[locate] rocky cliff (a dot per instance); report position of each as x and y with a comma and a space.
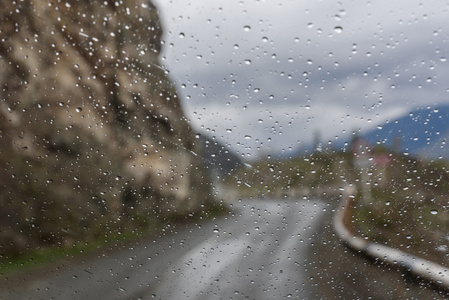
92, 135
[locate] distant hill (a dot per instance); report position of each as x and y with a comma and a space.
217, 157
423, 132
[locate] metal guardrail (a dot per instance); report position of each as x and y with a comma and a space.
432, 272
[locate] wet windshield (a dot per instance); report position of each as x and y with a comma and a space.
224, 150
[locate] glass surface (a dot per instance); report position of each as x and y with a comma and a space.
224, 149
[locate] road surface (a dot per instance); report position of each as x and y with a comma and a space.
257, 252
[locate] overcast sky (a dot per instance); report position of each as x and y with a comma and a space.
266, 76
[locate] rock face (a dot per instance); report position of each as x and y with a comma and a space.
92, 135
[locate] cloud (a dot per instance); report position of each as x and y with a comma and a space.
304, 66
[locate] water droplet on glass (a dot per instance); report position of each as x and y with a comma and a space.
247, 62
78, 109
182, 35
434, 211
246, 28
338, 29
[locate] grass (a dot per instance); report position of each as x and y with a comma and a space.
52, 254
415, 227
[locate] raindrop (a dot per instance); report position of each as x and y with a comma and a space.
264, 39
247, 62
338, 29
182, 35
78, 109
247, 137
246, 28
434, 211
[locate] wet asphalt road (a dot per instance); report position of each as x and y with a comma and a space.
258, 252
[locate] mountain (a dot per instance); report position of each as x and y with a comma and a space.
423, 133
219, 159
93, 140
